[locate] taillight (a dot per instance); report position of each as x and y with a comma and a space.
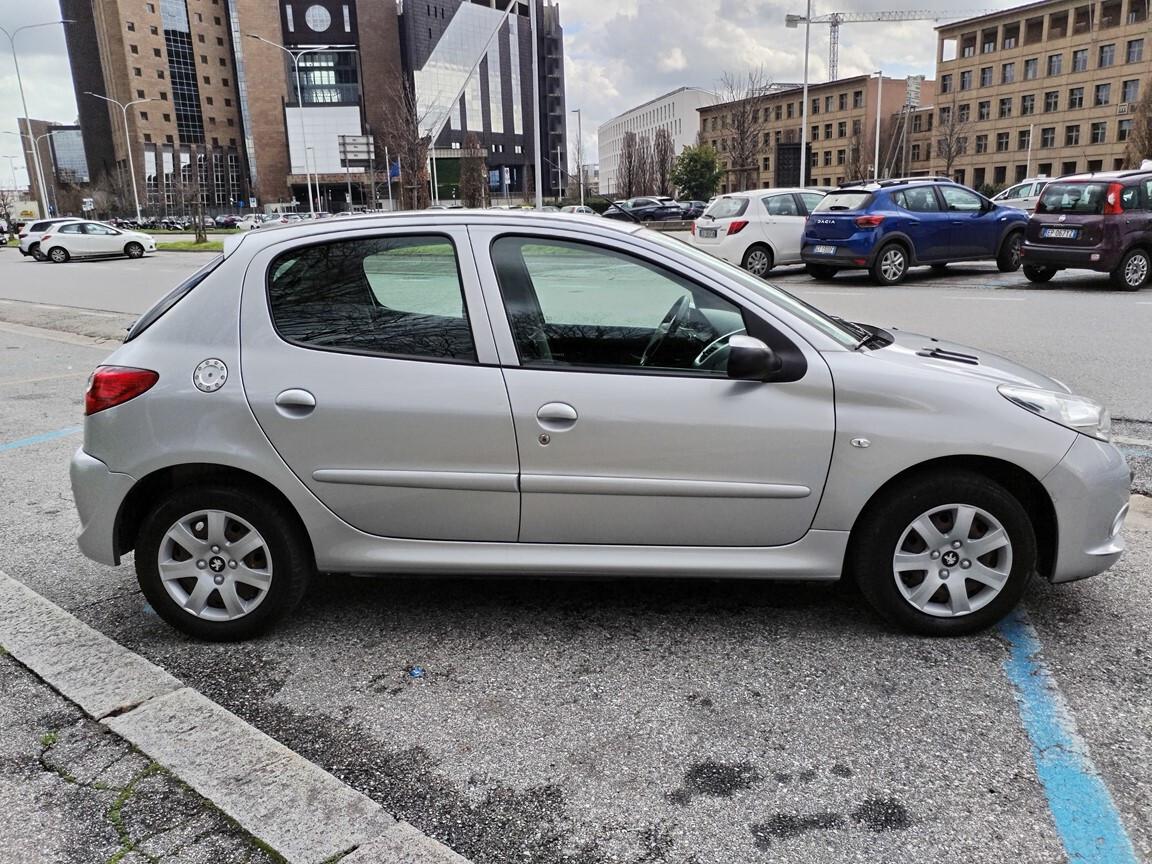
869, 221
45, 237
736, 226
1112, 200
23, 234
113, 385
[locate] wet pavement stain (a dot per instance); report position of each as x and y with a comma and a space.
716, 780
882, 814
782, 826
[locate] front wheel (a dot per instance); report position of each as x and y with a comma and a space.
1134, 272
221, 564
945, 555
134, 250
57, 255
757, 260
1008, 261
890, 265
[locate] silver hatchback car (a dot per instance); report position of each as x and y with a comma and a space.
504, 392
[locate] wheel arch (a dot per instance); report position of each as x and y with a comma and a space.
163, 480
900, 239
767, 244
1023, 486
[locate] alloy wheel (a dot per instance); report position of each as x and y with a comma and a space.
1136, 270
1014, 246
952, 560
215, 565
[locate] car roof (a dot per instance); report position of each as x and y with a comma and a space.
1104, 175
331, 229
774, 190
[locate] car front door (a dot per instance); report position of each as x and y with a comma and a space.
102, 240
782, 225
369, 363
629, 430
975, 227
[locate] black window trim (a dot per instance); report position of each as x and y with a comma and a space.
362, 352
795, 364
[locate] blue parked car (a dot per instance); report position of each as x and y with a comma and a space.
888, 226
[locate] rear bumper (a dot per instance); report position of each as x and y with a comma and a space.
1090, 489
1063, 256
98, 493
844, 257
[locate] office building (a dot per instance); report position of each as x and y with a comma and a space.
61, 150
674, 112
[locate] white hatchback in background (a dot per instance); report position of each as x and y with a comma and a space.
93, 240
1024, 195
757, 230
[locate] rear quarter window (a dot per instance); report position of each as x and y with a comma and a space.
726, 208
853, 199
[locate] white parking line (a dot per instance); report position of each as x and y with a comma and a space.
1008, 299
839, 293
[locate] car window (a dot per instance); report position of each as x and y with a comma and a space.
811, 200
576, 304
727, 207
781, 205
848, 199
1021, 191
70, 228
956, 198
918, 199
1130, 198
1073, 198
399, 296
99, 230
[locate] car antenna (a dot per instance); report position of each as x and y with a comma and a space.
611, 203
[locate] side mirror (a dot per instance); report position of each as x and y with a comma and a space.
749, 359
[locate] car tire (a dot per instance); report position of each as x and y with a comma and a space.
134, 250
1038, 273
1134, 272
270, 578
821, 271
1008, 259
758, 260
913, 523
34, 251
58, 255
890, 265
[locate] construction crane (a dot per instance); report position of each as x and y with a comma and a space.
835, 19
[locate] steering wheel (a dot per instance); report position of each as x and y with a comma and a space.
672, 322
715, 353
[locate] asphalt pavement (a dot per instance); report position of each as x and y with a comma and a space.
689, 721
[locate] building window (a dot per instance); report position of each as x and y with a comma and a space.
160, 74
167, 118
945, 83
1007, 73
816, 105
200, 38
1052, 99
133, 49
147, 138
144, 115
856, 127
1001, 142
1027, 104
1099, 132
827, 157
1135, 50
1068, 167
964, 113
1048, 136
983, 110
155, 31
156, 52
986, 76
139, 94
1123, 129
981, 143
208, 100
227, 103
1080, 60
1023, 139
163, 96
1103, 94
1031, 69
207, 79
1107, 56
965, 80
842, 101
816, 133
131, 27
827, 104
1055, 63
1005, 107
841, 157
137, 71
841, 128
1130, 90
1071, 136
223, 61
915, 152
203, 59
827, 130
999, 175
857, 98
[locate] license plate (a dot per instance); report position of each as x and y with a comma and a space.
708, 233
1059, 233
824, 250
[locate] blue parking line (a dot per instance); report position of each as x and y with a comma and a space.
1130, 450
1082, 808
40, 439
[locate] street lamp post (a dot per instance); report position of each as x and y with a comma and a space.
41, 198
876, 157
36, 167
793, 21
579, 153
124, 106
296, 55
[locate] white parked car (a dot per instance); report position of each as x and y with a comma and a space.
93, 240
1024, 195
579, 208
31, 234
757, 230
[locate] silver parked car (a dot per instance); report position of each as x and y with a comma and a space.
524, 393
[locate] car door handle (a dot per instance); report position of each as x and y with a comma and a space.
295, 403
557, 416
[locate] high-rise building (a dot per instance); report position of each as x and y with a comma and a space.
61, 150
674, 112
470, 67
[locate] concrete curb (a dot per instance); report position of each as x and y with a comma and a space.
295, 807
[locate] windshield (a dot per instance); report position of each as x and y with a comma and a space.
1073, 198
725, 208
851, 199
841, 332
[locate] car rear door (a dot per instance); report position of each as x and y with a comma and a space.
629, 430
369, 363
782, 225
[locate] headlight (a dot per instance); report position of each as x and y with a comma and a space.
1075, 412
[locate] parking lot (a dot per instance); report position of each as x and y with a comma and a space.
683, 721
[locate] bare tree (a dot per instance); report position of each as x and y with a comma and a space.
663, 158
745, 96
1139, 145
407, 138
111, 194
7, 211
952, 137
473, 172
646, 180
627, 170
575, 178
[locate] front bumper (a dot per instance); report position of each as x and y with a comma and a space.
1090, 489
1037, 255
98, 493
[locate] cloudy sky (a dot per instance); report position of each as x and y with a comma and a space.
619, 53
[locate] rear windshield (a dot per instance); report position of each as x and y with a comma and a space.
1073, 198
726, 208
171, 299
849, 199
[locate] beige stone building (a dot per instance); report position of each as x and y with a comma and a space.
1048, 88
841, 122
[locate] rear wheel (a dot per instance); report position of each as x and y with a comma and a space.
757, 260
945, 555
58, 255
821, 271
134, 250
1038, 274
890, 265
221, 564
34, 251
1134, 272
1008, 261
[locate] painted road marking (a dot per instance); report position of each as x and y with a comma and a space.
1082, 808
40, 439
